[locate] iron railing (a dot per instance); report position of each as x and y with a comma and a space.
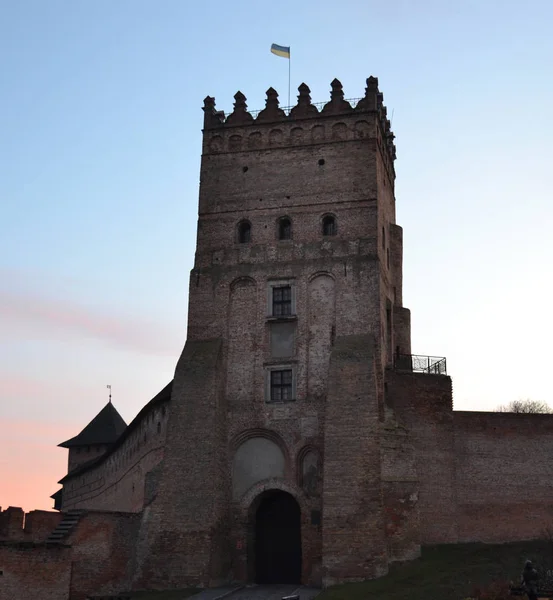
287, 109
416, 363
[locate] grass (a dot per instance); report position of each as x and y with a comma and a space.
447, 572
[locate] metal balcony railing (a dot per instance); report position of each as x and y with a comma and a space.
416, 363
318, 105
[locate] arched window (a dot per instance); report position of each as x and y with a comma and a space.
244, 232
329, 225
285, 229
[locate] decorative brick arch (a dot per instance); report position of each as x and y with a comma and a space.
235, 142
268, 434
321, 274
250, 500
309, 488
275, 137
241, 282
340, 131
296, 135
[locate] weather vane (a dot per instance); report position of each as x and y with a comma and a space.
109, 388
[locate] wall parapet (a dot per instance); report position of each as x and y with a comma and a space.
371, 102
31, 527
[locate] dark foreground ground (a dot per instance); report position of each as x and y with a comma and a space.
445, 572
448, 572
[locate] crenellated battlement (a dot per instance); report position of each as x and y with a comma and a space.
216, 121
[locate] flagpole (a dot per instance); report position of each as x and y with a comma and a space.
289, 66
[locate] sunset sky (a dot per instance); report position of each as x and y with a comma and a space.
100, 121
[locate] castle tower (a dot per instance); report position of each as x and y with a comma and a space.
96, 438
272, 469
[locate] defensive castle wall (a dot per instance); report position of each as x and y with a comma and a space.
117, 479
34, 526
483, 476
34, 570
422, 404
96, 558
503, 474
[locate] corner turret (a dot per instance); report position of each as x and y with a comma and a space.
96, 438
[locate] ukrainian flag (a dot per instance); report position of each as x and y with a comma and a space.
283, 51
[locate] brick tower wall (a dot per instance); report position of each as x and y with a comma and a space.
354, 544
423, 404
183, 533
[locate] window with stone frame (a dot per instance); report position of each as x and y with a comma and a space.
281, 385
282, 301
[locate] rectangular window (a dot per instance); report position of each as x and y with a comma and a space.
281, 385
282, 301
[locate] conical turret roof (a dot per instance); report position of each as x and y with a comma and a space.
105, 428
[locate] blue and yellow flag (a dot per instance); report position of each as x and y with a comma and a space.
283, 51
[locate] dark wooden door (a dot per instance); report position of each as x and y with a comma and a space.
278, 540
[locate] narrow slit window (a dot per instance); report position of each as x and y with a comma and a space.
281, 385
285, 229
329, 225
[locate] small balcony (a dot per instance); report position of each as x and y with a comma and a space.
416, 363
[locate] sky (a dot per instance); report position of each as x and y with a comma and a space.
100, 121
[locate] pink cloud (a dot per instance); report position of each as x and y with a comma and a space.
31, 463
27, 307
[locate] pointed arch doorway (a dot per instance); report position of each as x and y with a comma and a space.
277, 530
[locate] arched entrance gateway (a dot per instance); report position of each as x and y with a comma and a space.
277, 539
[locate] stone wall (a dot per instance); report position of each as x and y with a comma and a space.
184, 531
102, 552
423, 404
31, 571
503, 475
96, 558
354, 545
400, 489
482, 476
78, 455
